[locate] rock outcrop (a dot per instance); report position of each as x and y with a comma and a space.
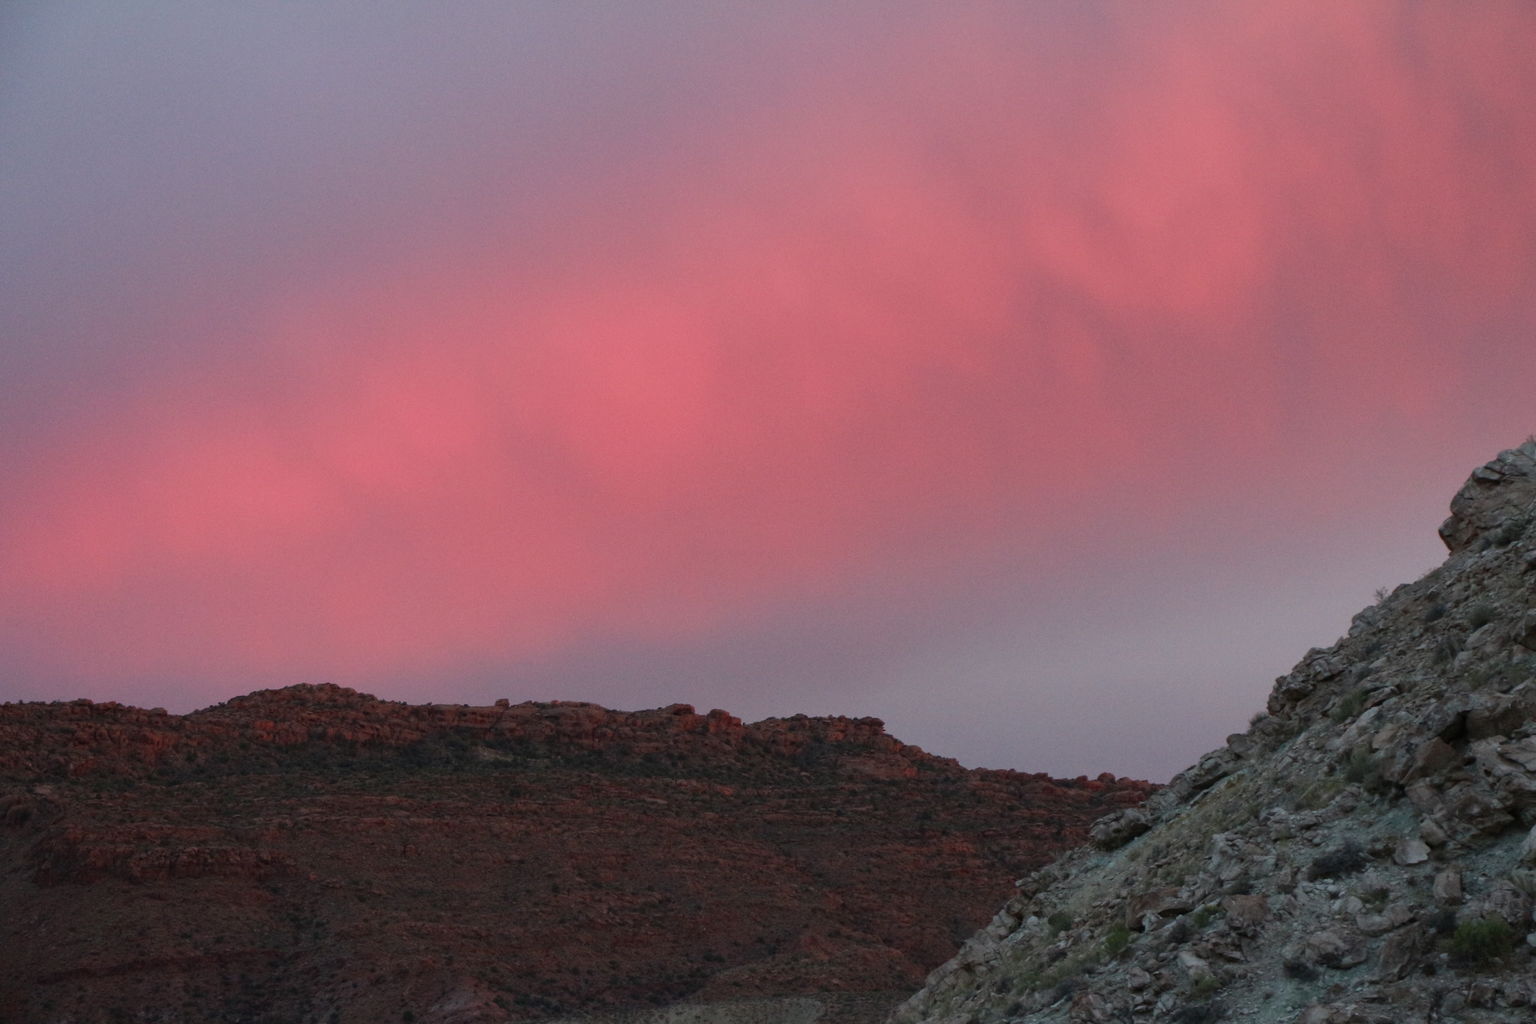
313, 854
1363, 854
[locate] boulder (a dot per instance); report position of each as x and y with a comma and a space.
1115, 830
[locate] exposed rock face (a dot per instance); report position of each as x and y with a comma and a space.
1364, 853
313, 854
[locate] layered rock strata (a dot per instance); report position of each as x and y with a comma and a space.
313, 854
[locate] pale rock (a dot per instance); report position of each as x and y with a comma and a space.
1489, 759
1410, 851
1473, 805
1115, 830
1280, 823
1204, 774
1385, 735
1447, 887
1395, 916
1153, 905
1429, 760
1482, 993
1364, 725
1195, 967
1246, 913
1088, 1007
1425, 797
1500, 714
1508, 903
1241, 744
1522, 752
1348, 905
1400, 950
1335, 947
1431, 832
1228, 858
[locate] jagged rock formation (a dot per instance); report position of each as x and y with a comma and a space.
314, 854
1363, 854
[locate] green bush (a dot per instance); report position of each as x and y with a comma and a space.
1118, 938
1481, 941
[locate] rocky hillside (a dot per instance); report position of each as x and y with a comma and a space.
1363, 854
313, 854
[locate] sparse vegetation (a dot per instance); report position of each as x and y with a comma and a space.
1319, 794
1480, 615
1524, 879
1204, 915
1361, 769
1118, 938
1059, 921
1447, 650
1482, 941
1349, 705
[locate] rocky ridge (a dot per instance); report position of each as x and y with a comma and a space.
1362, 854
314, 854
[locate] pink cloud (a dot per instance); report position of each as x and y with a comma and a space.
942, 298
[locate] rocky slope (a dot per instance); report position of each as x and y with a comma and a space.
1363, 854
313, 854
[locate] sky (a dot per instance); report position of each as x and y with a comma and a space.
1044, 379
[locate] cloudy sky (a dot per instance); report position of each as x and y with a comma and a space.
1042, 378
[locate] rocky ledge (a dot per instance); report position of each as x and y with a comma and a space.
1363, 854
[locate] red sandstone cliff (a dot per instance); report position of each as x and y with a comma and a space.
315, 854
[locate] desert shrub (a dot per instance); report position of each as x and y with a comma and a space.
1204, 915
1347, 858
1118, 938
1434, 613
1480, 941
1318, 795
1348, 706
1480, 615
1447, 650
1059, 921
1300, 970
1360, 769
